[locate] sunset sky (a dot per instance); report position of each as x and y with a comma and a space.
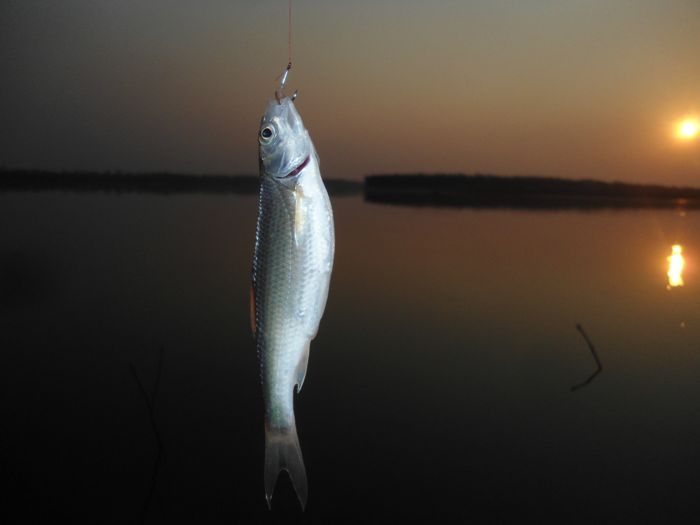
575, 88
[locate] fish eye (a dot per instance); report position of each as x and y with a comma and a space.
267, 134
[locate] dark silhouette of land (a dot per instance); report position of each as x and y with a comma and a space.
490, 191
473, 191
160, 183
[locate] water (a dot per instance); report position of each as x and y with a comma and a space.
439, 386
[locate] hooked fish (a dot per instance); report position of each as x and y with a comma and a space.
294, 248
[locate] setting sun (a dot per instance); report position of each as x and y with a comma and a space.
688, 129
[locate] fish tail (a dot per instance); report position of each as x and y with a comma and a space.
282, 452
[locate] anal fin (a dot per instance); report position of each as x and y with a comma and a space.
302, 366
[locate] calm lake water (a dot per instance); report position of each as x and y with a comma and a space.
439, 386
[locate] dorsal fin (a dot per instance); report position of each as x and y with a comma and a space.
253, 323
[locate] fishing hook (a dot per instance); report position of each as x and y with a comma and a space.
279, 93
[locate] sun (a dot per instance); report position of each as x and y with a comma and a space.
688, 129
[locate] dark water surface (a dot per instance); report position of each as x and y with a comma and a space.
439, 386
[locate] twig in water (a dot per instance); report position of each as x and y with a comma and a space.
150, 404
595, 356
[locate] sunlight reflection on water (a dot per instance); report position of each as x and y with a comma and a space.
676, 263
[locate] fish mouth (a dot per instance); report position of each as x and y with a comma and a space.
298, 169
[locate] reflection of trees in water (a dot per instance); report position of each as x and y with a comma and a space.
150, 400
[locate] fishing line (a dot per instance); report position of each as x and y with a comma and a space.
279, 93
289, 35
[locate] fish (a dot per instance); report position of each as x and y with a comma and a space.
292, 265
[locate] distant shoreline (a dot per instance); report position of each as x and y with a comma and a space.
472, 191
160, 183
491, 191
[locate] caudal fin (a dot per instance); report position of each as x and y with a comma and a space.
282, 452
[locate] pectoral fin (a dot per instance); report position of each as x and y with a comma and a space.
299, 214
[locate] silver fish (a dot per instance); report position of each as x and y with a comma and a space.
294, 248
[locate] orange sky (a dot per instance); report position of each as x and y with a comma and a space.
583, 88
